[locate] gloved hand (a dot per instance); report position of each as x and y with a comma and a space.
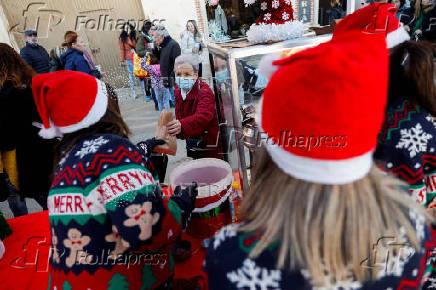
185, 199
148, 145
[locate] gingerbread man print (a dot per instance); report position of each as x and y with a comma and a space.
141, 216
76, 242
120, 244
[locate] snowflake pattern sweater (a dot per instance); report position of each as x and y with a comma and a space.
406, 148
111, 227
228, 266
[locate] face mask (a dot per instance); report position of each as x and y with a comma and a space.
185, 84
222, 76
33, 41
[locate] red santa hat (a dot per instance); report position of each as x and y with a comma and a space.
323, 108
375, 18
276, 22
68, 101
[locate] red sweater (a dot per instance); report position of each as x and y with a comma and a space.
197, 114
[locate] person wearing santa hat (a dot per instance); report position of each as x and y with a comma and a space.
105, 203
319, 214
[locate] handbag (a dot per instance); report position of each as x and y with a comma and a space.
137, 69
195, 148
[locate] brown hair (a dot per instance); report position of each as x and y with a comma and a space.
70, 38
328, 230
14, 69
412, 73
111, 123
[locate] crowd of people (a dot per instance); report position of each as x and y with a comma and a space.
320, 218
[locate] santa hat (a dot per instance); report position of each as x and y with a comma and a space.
375, 18
68, 101
323, 108
276, 22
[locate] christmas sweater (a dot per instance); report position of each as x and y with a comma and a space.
228, 266
406, 148
111, 228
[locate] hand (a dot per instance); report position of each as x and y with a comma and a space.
174, 127
185, 199
407, 28
418, 32
148, 146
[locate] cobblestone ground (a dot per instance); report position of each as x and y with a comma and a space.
142, 119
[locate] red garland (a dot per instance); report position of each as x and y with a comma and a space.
275, 11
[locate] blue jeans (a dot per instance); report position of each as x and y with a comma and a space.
129, 64
163, 98
173, 99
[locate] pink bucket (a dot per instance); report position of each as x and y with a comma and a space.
214, 178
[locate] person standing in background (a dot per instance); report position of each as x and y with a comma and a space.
127, 42
30, 158
73, 59
167, 51
162, 93
193, 43
34, 54
144, 46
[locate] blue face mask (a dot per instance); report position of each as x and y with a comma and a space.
222, 76
185, 84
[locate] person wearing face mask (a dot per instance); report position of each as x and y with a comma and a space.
34, 54
196, 116
73, 59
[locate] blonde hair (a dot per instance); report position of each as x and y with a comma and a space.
328, 230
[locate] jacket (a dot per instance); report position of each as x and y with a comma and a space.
198, 117
155, 75
37, 57
169, 51
188, 42
34, 155
74, 60
143, 45
406, 148
126, 49
111, 226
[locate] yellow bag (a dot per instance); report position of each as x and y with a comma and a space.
137, 70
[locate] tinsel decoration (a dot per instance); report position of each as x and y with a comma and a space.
276, 22
5, 230
216, 33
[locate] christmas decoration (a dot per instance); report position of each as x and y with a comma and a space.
216, 33
276, 22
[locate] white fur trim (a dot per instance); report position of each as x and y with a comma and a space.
318, 170
275, 32
397, 36
266, 67
321, 171
48, 133
95, 114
